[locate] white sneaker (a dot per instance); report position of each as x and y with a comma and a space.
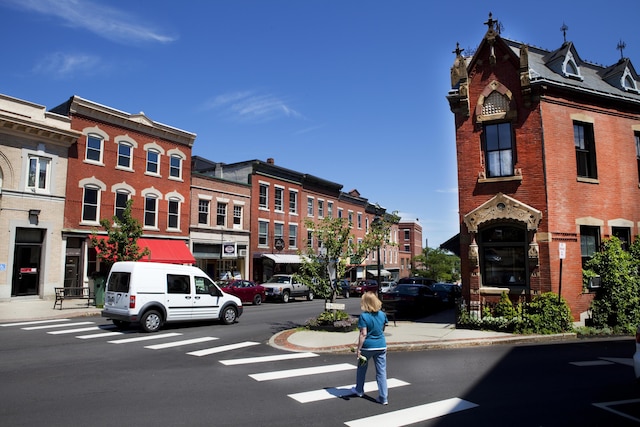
354, 391
383, 402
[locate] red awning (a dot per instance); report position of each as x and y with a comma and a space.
165, 250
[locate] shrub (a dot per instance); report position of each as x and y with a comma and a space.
545, 314
504, 308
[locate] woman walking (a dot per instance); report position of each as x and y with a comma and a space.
372, 345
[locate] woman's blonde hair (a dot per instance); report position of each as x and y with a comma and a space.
370, 302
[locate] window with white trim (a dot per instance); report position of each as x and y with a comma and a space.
263, 197
203, 212
263, 233
175, 167
359, 220
293, 201
173, 218
278, 230
221, 214
320, 208
293, 236
237, 216
122, 197
153, 162
125, 155
589, 242
309, 238
309, 206
278, 201
498, 145
91, 204
39, 173
330, 209
151, 211
94, 148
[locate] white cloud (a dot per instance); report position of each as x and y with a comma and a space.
104, 21
248, 106
63, 65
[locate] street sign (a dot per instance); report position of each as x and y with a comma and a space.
279, 244
562, 247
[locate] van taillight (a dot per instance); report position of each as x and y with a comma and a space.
132, 301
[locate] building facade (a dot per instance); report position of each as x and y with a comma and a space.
34, 146
409, 245
281, 202
220, 227
121, 157
548, 149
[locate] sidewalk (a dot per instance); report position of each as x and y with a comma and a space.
437, 331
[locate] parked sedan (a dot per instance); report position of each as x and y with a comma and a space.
448, 293
245, 290
411, 299
361, 286
387, 287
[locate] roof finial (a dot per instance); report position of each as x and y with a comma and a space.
458, 51
564, 29
490, 22
620, 47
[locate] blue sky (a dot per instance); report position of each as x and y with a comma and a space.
350, 91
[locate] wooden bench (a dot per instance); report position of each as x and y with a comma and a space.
73, 293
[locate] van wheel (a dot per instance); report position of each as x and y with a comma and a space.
310, 296
121, 324
151, 321
229, 315
257, 300
285, 296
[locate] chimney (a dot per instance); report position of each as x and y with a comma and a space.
270, 161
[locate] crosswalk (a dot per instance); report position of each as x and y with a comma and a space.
205, 346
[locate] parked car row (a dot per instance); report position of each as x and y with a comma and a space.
417, 296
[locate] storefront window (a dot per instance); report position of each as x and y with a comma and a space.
503, 252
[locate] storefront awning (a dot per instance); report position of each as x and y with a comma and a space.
284, 258
164, 250
383, 272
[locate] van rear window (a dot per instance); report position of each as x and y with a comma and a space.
119, 282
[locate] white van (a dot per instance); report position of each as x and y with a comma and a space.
154, 293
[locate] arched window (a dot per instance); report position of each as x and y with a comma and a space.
503, 255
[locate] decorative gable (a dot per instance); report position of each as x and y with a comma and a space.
565, 61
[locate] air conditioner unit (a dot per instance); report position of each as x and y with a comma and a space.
242, 252
594, 282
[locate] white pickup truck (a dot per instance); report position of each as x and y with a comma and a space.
283, 287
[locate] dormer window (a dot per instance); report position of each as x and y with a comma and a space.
570, 67
627, 81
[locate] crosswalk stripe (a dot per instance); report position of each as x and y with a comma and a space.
222, 348
72, 331
414, 414
63, 325
627, 361
179, 343
342, 391
591, 363
144, 338
274, 358
34, 322
290, 373
102, 335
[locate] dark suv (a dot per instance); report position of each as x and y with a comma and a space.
361, 286
413, 280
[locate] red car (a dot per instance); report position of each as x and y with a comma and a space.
245, 290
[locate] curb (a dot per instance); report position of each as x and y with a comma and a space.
281, 340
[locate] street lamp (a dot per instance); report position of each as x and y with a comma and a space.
376, 225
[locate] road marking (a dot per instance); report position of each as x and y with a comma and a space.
591, 363
102, 335
414, 414
144, 338
627, 361
34, 322
290, 373
606, 407
208, 351
342, 391
63, 325
71, 331
179, 343
273, 358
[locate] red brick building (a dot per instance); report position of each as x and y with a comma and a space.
281, 201
548, 149
122, 156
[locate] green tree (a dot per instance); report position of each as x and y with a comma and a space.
122, 237
378, 235
319, 269
617, 301
438, 264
